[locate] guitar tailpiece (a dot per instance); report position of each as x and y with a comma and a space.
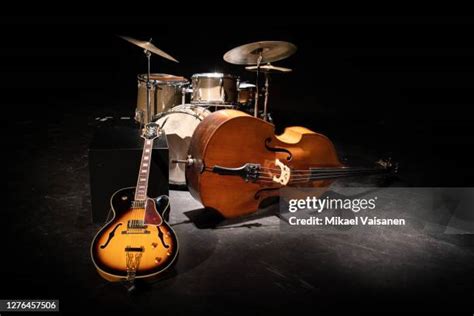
132, 265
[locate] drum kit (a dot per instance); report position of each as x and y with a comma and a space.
178, 105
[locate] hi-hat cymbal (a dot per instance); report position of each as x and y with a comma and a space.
270, 51
268, 68
149, 47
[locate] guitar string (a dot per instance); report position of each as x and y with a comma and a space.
138, 204
149, 147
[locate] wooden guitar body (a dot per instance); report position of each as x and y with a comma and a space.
231, 139
137, 243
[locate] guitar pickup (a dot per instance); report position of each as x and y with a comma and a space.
134, 249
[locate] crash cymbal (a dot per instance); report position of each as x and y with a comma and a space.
149, 47
270, 51
268, 68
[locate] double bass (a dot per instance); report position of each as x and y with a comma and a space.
236, 161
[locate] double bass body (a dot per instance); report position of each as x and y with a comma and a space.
231, 139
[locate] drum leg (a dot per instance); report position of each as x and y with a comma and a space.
139, 116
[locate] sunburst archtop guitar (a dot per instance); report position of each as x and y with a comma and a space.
137, 243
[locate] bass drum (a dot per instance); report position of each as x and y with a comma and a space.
179, 124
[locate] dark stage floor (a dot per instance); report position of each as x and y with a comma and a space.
248, 264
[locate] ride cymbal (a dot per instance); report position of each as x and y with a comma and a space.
270, 51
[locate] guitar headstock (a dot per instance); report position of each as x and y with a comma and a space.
151, 131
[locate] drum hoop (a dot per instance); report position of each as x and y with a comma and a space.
211, 75
167, 83
215, 103
247, 86
142, 79
158, 116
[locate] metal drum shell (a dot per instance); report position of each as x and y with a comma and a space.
166, 91
215, 88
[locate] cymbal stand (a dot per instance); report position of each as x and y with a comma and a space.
144, 118
148, 88
265, 118
183, 95
259, 60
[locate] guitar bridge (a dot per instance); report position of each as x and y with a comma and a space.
134, 249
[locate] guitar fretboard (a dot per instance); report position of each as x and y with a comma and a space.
142, 182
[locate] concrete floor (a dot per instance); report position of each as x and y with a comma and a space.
223, 267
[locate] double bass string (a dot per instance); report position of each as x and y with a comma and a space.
265, 177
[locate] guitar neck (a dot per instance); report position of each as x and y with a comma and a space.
144, 171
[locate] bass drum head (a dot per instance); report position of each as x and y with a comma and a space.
179, 124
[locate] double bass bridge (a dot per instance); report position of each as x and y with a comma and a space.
285, 172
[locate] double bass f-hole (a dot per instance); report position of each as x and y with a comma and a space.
277, 149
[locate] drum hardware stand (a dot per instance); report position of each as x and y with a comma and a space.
189, 161
256, 53
144, 119
148, 86
148, 49
183, 97
265, 118
259, 60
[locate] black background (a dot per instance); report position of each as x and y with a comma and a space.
399, 86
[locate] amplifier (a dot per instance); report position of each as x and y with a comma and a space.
114, 160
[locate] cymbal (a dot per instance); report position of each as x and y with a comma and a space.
268, 68
149, 47
271, 51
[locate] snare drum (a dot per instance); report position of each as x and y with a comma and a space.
166, 91
179, 124
215, 88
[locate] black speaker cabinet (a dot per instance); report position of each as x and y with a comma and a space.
114, 161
